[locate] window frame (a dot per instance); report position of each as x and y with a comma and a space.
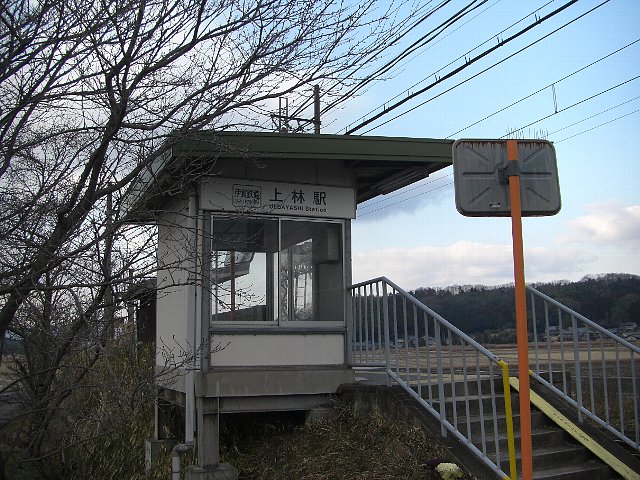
277, 325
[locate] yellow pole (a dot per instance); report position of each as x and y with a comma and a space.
521, 315
509, 417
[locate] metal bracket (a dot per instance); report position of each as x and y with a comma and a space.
511, 170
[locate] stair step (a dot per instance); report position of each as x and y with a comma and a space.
540, 437
459, 388
471, 406
632, 451
472, 403
538, 419
555, 455
575, 471
548, 457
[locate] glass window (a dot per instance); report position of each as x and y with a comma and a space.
241, 250
277, 270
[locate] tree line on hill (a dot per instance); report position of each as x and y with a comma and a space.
608, 299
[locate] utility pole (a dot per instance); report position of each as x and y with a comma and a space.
283, 114
282, 118
316, 109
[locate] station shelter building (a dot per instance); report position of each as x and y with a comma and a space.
254, 262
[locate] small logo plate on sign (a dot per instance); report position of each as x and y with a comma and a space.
246, 196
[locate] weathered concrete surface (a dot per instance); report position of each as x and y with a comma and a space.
222, 471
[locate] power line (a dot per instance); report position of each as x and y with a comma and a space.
459, 69
404, 191
598, 126
479, 73
417, 43
594, 115
369, 78
408, 90
405, 199
543, 88
400, 35
421, 42
450, 174
573, 105
464, 55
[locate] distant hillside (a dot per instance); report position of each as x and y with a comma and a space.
608, 300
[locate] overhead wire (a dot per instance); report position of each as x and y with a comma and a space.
573, 105
435, 42
593, 116
544, 88
598, 126
406, 199
456, 71
404, 191
464, 55
443, 26
485, 53
389, 65
528, 96
348, 96
422, 41
401, 34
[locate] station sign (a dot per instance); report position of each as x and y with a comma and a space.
276, 198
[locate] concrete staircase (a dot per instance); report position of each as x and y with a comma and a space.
556, 455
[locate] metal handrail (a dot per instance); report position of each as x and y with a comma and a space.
585, 382
451, 375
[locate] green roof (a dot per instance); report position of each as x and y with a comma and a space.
380, 164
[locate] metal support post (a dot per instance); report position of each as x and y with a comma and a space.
205, 297
190, 308
387, 351
316, 109
521, 313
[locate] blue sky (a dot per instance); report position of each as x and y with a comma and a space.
417, 238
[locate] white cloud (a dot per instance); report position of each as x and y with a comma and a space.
465, 263
408, 200
610, 223
548, 263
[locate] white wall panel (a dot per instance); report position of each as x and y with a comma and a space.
171, 343
277, 350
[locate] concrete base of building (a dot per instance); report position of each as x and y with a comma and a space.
320, 413
154, 450
222, 471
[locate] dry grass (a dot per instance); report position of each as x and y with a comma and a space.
344, 447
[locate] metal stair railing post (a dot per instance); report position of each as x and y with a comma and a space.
457, 357
614, 414
387, 348
578, 369
443, 405
509, 414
